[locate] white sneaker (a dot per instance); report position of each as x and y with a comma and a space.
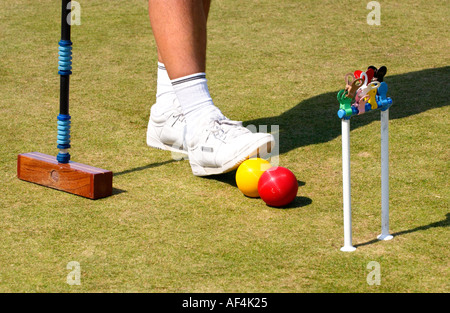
166, 130
223, 145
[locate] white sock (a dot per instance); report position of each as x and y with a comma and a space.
196, 103
164, 91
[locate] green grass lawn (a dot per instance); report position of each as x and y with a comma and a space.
269, 63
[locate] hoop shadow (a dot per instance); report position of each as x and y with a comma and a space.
444, 223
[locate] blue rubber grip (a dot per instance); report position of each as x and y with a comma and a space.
65, 57
63, 157
63, 138
63, 133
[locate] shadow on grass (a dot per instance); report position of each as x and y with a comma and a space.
230, 179
297, 203
117, 191
144, 167
443, 223
315, 120
227, 178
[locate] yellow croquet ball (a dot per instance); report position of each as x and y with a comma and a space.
248, 174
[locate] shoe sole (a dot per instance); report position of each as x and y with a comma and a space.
251, 151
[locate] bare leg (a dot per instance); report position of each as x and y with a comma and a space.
206, 7
179, 28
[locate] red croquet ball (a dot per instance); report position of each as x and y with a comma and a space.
278, 186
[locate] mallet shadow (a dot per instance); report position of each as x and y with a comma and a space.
144, 167
117, 191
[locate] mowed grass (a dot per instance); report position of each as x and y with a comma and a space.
269, 63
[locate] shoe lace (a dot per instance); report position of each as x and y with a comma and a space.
224, 128
178, 118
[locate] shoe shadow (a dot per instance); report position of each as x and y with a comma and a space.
226, 178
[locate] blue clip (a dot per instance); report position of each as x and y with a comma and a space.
382, 100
